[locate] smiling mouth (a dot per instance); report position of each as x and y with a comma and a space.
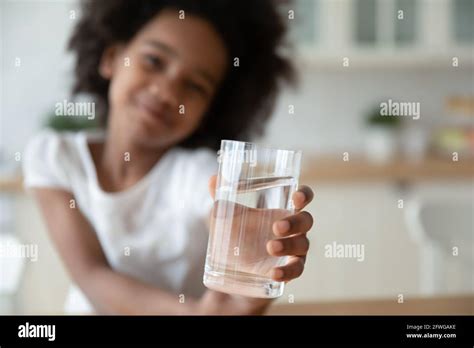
152, 113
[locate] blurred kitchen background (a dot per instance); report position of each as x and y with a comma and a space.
402, 187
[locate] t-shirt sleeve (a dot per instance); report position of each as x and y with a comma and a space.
43, 162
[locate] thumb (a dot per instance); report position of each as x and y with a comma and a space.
212, 185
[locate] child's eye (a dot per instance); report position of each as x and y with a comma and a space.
154, 61
197, 88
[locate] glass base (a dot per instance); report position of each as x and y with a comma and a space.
245, 284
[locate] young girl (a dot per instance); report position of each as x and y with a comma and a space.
127, 207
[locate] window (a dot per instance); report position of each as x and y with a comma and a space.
463, 20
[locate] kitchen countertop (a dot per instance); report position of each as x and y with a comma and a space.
358, 169
334, 169
447, 305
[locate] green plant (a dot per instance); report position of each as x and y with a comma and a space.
374, 118
63, 123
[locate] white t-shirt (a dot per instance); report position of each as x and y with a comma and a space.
154, 231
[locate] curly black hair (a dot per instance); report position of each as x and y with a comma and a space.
252, 31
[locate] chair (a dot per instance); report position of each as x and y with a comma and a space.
438, 226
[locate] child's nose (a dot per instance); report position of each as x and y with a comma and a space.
167, 92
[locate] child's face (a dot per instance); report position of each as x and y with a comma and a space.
163, 81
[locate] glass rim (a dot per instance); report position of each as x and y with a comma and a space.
262, 147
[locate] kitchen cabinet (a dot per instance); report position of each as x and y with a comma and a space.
383, 33
370, 214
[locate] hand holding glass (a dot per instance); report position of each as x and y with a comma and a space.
254, 189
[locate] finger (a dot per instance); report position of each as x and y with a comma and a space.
302, 197
293, 269
297, 223
296, 245
212, 185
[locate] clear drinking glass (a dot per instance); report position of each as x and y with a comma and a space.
254, 189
